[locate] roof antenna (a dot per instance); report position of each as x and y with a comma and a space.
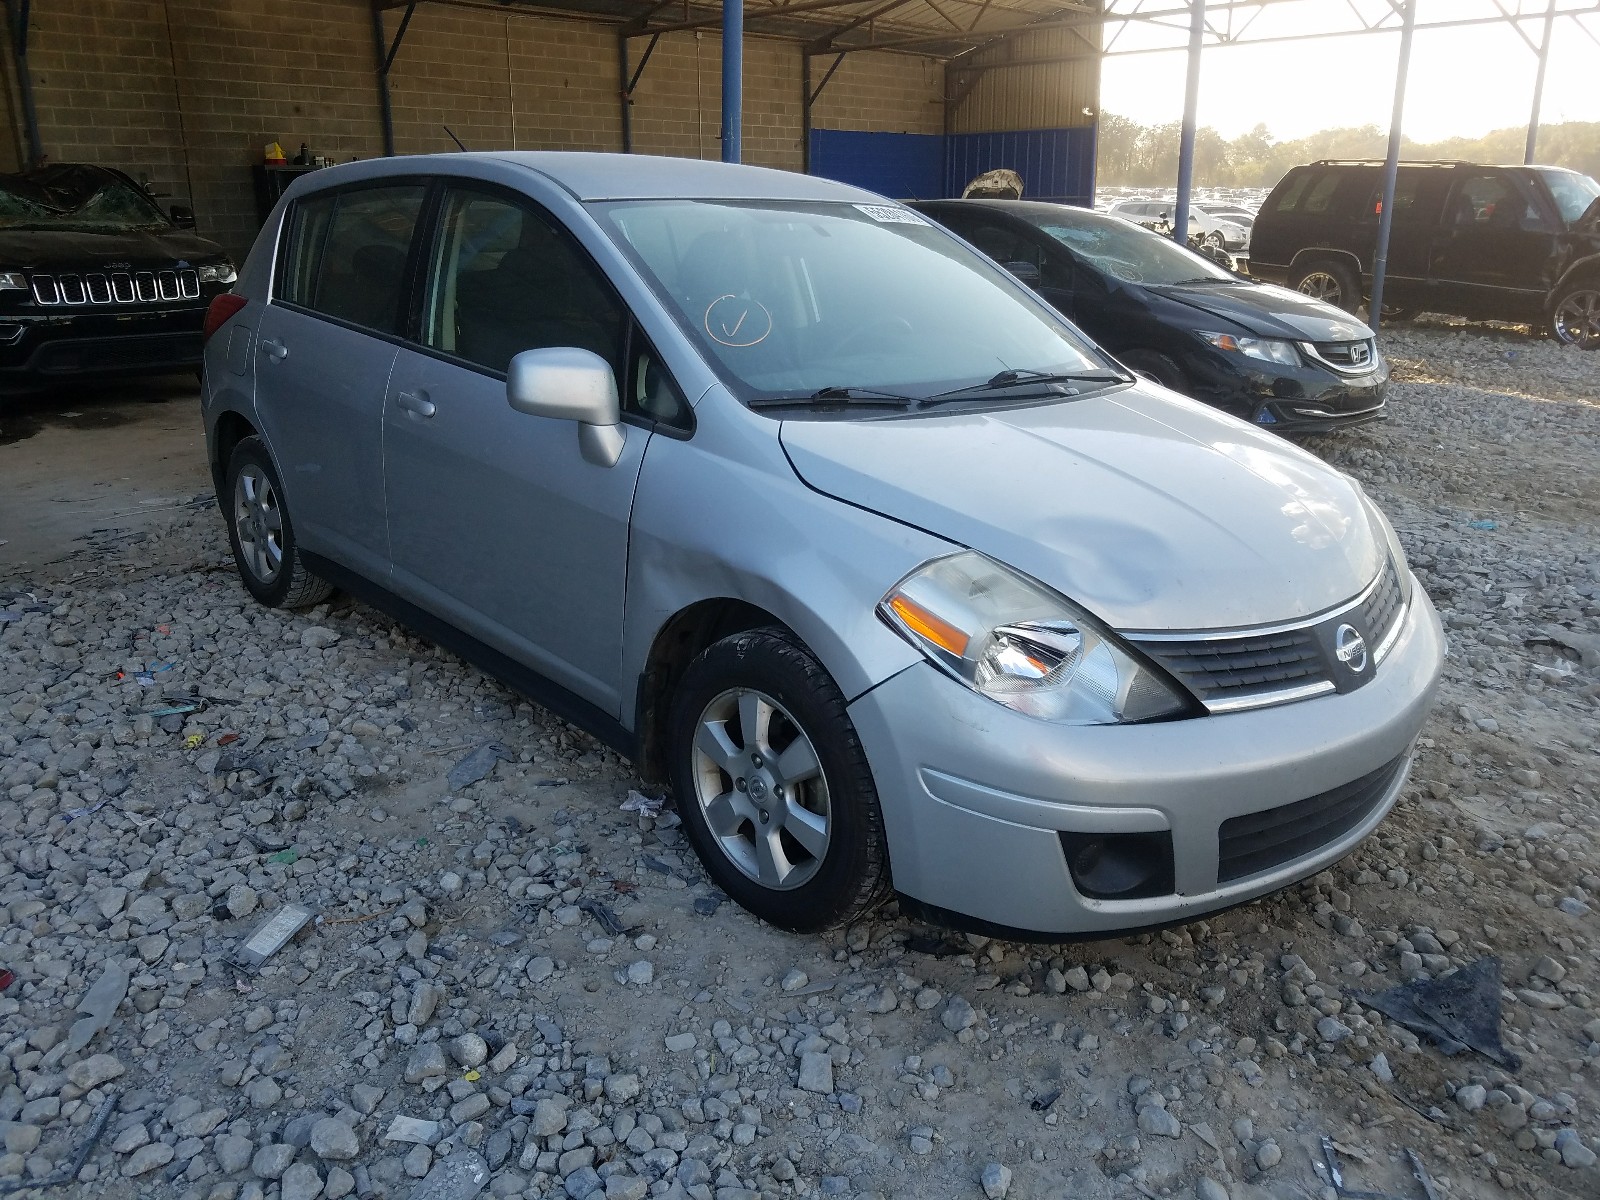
454, 139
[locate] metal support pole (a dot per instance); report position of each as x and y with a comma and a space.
17, 15
805, 110
380, 47
1191, 105
732, 78
1538, 84
1391, 167
625, 92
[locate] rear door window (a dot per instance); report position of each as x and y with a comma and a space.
347, 252
1418, 196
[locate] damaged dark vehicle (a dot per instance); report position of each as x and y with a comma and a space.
95, 279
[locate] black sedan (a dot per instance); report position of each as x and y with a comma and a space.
1273, 357
96, 279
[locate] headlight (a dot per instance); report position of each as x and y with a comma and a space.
13, 281
1019, 643
1265, 349
221, 272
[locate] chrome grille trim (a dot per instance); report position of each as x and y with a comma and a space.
1244, 669
120, 287
1337, 355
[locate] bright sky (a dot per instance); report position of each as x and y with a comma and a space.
1463, 82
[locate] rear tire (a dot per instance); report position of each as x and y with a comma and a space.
1156, 367
1330, 281
261, 534
783, 814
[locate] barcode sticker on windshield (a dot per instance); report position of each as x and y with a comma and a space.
890, 214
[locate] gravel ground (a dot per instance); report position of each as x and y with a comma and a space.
517, 979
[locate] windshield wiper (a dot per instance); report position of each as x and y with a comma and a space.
851, 395
1010, 378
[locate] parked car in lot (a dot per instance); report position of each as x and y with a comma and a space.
96, 279
1270, 356
1219, 232
1504, 243
825, 519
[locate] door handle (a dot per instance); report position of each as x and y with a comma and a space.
274, 349
415, 402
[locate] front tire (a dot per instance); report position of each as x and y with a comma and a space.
773, 784
261, 534
1575, 316
1331, 282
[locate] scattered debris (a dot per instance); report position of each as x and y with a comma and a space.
647, 806
98, 1006
1457, 1011
272, 935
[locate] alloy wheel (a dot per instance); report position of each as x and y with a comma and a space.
1577, 318
258, 523
759, 784
1320, 285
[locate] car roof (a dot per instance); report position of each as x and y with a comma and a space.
1069, 214
600, 176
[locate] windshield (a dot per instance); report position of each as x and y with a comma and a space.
1572, 192
76, 198
1130, 252
788, 298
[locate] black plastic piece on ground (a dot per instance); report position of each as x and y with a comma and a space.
1458, 1011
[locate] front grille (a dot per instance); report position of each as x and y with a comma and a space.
1350, 357
1229, 672
1256, 842
1237, 668
120, 287
1381, 608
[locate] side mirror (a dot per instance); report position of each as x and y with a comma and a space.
1027, 272
565, 383
182, 217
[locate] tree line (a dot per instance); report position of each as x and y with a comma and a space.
1132, 154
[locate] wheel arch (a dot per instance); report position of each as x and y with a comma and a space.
1584, 268
231, 428
676, 644
1312, 254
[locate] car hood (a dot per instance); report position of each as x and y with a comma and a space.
54, 250
1150, 510
1269, 311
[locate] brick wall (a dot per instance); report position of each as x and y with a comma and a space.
880, 92
185, 93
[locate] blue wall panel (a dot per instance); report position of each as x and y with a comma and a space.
1055, 164
906, 166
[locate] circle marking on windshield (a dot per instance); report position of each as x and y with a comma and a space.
736, 322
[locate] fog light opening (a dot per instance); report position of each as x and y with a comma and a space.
1119, 866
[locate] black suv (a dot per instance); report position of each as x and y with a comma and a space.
1506, 243
96, 279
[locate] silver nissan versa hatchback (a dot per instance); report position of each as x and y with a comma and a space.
824, 519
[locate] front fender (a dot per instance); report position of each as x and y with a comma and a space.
723, 516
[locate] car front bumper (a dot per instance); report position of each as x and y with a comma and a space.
1301, 399
37, 349
976, 797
